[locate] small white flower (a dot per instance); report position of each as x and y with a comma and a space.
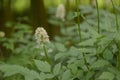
60, 13
41, 35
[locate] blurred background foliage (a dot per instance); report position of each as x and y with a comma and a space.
20, 18
36, 12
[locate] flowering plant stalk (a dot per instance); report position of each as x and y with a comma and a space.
98, 16
79, 30
42, 38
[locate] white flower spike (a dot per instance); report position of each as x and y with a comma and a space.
41, 35
60, 13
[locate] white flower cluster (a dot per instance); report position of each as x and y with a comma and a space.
41, 35
60, 13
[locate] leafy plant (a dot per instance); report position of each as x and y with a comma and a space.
94, 56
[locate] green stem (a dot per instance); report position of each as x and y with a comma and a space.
116, 16
48, 58
98, 16
78, 18
85, 61
107, 46
45, 51
118, 56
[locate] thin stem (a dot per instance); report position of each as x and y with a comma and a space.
116, 16
117, 29
107, 46
78, 18
98, 16
45, 51
48, 58
86, 61
118, 55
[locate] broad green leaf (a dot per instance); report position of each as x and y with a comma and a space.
60, 47
73, 51
106, 76
99, 63
108, 55
89, 75
57, 68
66, 75
89, 42
10, 70
43, 66
60, 55
44, 76
73, 68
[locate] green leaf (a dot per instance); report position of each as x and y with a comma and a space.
60, 55
99, 63
94, 33
10, 70
73, 68
66, 75
72, 15
89, 42
89, 75
60, 47
44, 76
43, 66
108, 55
56, 69
106, 76
87, 50
73, 51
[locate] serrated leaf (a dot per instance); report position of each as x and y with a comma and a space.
56, 69
106, 76
99, 63
43, 66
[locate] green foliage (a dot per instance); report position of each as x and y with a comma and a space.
107, 75
94, 58
10, 70
43, 66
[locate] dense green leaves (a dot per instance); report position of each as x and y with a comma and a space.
93, 58
10, 70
